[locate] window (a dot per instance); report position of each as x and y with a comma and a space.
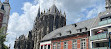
58, 35
42, 47
65, 45
54, 46
58, 46
45, 47
80, 30
83, 44
49, 46
69, 32
74, 44
86, 28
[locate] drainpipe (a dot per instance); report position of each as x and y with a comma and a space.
109, 39
109, 35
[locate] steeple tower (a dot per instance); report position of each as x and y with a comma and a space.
108, 4
38, 15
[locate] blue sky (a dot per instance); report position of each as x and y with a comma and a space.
23, 13
17, 4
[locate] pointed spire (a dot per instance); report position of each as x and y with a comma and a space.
53, 9
60, 11
16, 37
49, 9
38, 15
44, 10
64, 14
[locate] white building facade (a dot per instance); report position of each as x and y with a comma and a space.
45, 45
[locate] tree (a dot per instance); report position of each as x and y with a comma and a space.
2, 39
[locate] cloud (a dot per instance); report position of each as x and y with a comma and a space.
21, 24
76, 10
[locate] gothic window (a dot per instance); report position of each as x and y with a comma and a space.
83, 44
74, 44
58, 45
65, 45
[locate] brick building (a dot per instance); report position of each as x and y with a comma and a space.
74, 36
94, 33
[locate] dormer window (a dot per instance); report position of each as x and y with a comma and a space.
58, 35
86, 28
75, 25
69, 32
80, 30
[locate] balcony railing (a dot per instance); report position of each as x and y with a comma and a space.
104, 22
102, 48
99, 36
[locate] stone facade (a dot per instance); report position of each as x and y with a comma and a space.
24, 42
46, 22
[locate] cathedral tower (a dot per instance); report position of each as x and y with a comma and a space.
46, 22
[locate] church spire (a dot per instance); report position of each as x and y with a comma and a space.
38, 15
64, 14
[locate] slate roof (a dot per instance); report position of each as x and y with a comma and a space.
64, 31
53, 9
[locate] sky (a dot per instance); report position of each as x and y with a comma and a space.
24, 12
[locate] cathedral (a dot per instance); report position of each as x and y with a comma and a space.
45, 23
51, 32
